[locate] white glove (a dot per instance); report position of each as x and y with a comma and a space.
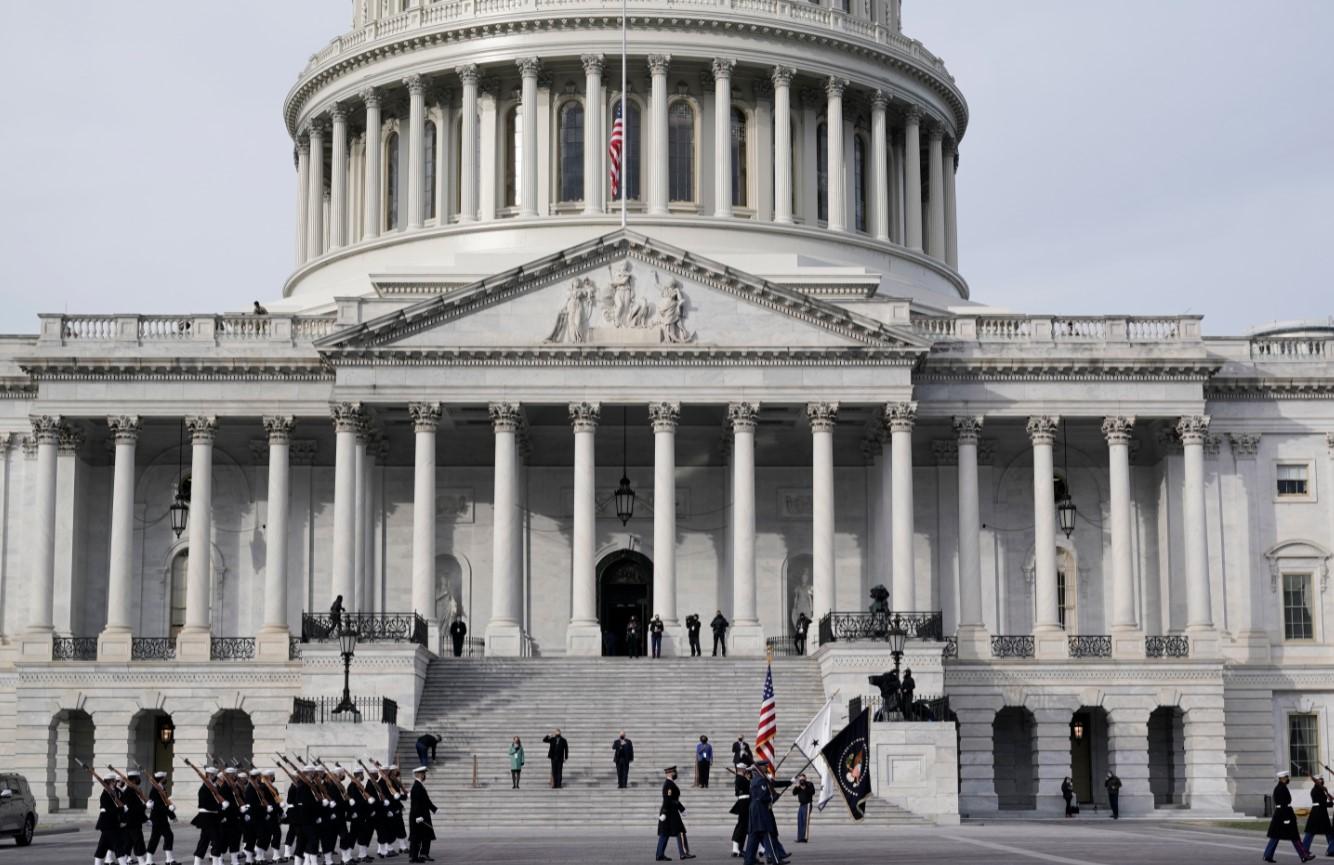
386, 803
245, 809
171, 808
419, 820
269, 809
225, 804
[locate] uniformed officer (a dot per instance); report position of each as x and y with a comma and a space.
252, 822
741, 808
160, 817
670, 824
207, 819
111, 813
692, 631
1283, 825
136, 815
420, 809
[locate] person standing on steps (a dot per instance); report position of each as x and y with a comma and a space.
670, 824
457, 631
558, 751
655, 629
799, 638
719, 626
1113, 785
703, 762
692, 630
426, 743
1283, 825
336, 616
633, 639
420, 809
1318, 821
622, 754
516, 761
805, 793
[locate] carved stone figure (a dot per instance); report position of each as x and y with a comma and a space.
671, 311
620, 306
572, 322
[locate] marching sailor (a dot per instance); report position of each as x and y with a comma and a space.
421, 833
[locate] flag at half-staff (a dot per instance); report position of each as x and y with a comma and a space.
849, 758
767, 729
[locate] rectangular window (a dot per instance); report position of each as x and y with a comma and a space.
1297, 615
1294, 480
1304, 744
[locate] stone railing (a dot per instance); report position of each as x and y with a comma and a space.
876, 627
208, 329
1293, 348
1091, 330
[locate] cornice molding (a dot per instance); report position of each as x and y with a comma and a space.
175, 369
935, 370
577, 356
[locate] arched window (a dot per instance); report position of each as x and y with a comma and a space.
681, 151
739, 187
430, 155
513, 157
176, 591
572, 151
822, 172
859, 182
391, 182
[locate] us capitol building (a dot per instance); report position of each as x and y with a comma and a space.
482, 398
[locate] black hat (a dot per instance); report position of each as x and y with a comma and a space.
669, 769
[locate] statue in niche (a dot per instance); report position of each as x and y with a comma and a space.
801, 591
671, 311
572, 322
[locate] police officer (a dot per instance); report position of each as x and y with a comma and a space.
692, 630
420, 809
719, 626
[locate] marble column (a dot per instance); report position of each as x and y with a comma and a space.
657, 156
115, 641
338, 179
528, 69
504, 632
896, 212
951, 205
372, 195
722, 135
837, 186
302, 194
782, 79
823, 417
746, 635
884, 572
38, 641
1127, 637
425, 419
899, 419
347, 420
664, 417
194, 643
469, 77
936, 167
315, 193
416, 148
360, 599
1049, 636
271, 643
1244, 494
1199, 605
912, 181
879, 166
593, 132
584, 636
974, 641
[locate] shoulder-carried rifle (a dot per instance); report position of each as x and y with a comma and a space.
384, 773
166, 800
130, 784
212, 788
110, 788
351, 776
332, 779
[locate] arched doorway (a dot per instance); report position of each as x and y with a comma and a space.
1014, 743
1167, 756
71, 738
625, 592
231, 736
152, 740
1088, 753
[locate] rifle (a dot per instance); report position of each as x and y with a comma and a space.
128, 783
342, 794
378, 794
166, 800
207, 783
353, 778
384, 773
115, 797
294, 778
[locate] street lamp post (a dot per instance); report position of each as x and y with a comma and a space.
347, 642
898, 636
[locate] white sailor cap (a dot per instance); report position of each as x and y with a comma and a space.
1284, 774
420, 770
242, 775
358, 771
309, 768
393, 768
375, 770
132, 773
159, 775
230, 770
272, 773
210, 771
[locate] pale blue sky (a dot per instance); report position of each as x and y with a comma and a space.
1139, 156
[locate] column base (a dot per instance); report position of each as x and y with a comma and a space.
1204, 642
505, 640
1050, 644
115, 644
37, 645
194, 644
746, 641
273, 645
974, 642
583, 639
1128, 643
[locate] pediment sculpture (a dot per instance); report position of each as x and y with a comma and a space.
615, 313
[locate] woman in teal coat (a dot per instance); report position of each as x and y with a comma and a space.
516, 761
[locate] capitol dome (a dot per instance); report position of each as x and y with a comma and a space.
387, 205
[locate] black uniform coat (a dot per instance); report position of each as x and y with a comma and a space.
161, 813
421, 806
669, 815
1318, 822
109, 813
558, 749
207, 809
623, 751
136, 809
761, 797
1283, 825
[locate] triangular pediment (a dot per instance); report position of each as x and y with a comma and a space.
622, 292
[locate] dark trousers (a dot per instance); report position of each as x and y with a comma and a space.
694, 645
753, 842
205, 840
622, 774
1272, 847
161, 832
800, 642
803, 820
423, 755
134, 840
657, 645
458, 646
1114, 800
702, 772
719, 641
110, 841
1329, 839
419, 843
662, 845
556, 767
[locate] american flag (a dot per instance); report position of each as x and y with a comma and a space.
768, 726
614, 150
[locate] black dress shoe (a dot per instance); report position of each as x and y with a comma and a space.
662, 858
687, 856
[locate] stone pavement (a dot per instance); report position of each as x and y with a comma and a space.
1086, 842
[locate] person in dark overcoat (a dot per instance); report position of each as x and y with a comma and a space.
1283, 825
799, 636
741, 808
670, 824
760, 816
633, 639
719, 626
1068, 794
622, 754
457, 631
420, 808
692, 631
1318, 821
111, 813
558, 751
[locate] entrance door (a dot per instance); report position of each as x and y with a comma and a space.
1081, 756
625, 582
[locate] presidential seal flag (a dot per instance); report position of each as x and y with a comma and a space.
849, 757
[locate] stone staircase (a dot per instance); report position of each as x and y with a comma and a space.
477, 705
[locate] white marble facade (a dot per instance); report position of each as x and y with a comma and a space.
791, 371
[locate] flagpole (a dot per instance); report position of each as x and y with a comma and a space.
625, 118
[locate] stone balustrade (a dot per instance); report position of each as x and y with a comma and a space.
1293, 348
212, 329
1091, 330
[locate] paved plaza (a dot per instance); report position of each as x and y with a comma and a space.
1085, 842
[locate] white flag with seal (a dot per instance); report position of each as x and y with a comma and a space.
816, 735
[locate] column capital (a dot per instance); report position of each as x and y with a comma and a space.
28, 444
505, 416
279, 428
593, 63
46, 428
338, 113
664, 416
834, 87
900, 416
370, 97
347, 416
425, 416
584, 416
782, 75
71, 439
742, 416
468, 73
416, 86
302, 143
935, 133
722, 67
316, 127
1192, 429
912, 116
658, 63
366, 430
1118, 429
302, 452
879, 100
529, 67
202, 428
823, 416
1042, 429
125, 428
968, 429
